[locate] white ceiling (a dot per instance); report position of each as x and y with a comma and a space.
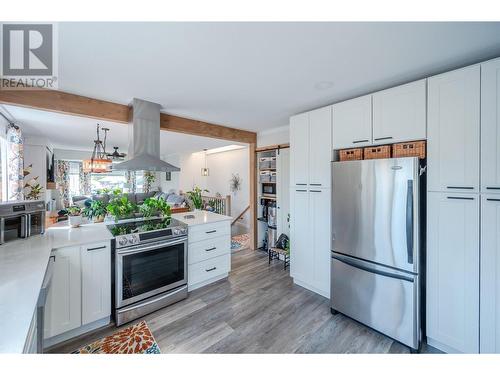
255, 75
77, 133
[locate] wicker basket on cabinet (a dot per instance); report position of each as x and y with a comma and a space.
406, 149
351, 154
377, 152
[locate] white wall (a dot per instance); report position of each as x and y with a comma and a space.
221, 167
273, 136
174, 182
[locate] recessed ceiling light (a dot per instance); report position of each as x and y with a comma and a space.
323, 85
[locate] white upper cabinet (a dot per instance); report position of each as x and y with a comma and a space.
453, 271
399, 113
453, 130
311, 148
352, 123
490, 126
299, 150
320, 146
490, 274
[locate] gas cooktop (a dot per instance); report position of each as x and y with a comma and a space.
146, 230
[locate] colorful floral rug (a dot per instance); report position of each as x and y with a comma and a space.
240, 242
136, 339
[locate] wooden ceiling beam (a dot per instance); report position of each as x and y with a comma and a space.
65, 103
77, 105
204, 129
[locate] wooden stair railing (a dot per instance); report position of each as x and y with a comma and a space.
240, 215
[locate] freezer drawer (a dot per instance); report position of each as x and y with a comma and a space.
383, 299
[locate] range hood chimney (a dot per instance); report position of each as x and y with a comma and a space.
144, 140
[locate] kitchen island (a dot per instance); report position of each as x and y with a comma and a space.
23, 265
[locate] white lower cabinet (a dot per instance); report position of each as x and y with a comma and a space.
80, 292
63, 311
209, 253
453, 272
310, 239
490, 274
96, 282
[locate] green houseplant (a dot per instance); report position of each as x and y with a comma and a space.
74, 216
96, 211
155, 206
120, 207
196, 198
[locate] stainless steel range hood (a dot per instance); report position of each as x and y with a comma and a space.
144, 140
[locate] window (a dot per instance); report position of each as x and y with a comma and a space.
111, 181
74, 179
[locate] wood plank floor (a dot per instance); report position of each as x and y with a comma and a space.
257, 309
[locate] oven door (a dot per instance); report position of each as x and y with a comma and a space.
143, 271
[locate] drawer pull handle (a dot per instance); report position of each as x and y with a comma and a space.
460, 187
211, 231
360, 141
462, 198
211, 269
493, 200
383, 138
315, 191
212, 248
493, 188
96, 248
315, 184
301, 184
301, 190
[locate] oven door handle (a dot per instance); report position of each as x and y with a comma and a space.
141, 248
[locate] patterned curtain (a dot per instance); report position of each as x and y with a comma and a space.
62, 181
130, 175
85, 184
15, 161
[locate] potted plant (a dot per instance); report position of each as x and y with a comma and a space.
155, 206
120, 207
96, 211
196, 198
74, 216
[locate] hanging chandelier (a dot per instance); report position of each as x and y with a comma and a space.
204, 171
99, 162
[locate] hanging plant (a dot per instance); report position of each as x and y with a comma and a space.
235, 183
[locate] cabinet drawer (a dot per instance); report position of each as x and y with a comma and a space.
211, 248
208, 231
208, 269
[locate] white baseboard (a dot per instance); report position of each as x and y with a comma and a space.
206, 282
311, 288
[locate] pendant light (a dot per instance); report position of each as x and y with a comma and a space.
99, 161
204, 171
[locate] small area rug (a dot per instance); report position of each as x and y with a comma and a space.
136, 339
240, 242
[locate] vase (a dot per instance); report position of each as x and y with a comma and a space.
75, 221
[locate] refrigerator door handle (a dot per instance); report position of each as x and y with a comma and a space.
372, 270
409, 221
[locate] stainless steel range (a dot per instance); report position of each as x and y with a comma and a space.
150, 266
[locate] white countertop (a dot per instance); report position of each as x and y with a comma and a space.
22, 268
200, 217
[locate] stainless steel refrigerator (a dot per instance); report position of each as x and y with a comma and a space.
375, 263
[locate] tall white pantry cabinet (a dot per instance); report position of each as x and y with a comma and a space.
310, 199
463, 218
